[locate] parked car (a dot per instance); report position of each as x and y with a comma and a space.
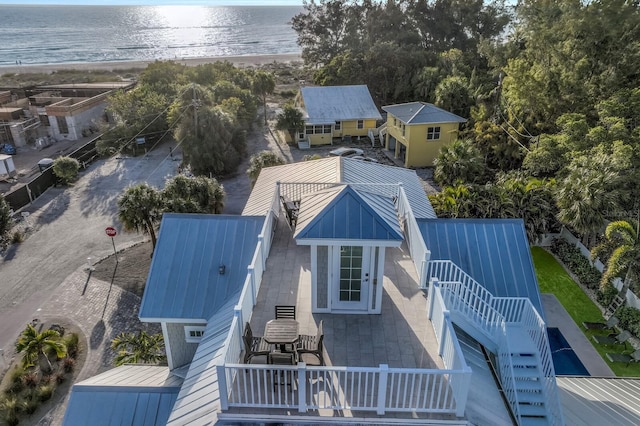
8, 149
346, 152
360, 157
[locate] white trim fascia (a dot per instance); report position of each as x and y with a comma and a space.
363, 243
175, 320
167, 345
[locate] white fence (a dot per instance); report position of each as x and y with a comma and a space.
249, 293
420, 254
380, 389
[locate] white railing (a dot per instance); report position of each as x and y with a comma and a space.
417, 247
380, 389
473, 299
253, 281
507, 377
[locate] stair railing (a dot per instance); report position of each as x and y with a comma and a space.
510, 310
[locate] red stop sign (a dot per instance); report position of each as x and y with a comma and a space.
111, 231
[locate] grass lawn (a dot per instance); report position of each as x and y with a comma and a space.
552, 278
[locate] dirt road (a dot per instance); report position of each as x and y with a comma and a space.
67, 228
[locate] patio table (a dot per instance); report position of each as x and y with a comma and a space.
282, 332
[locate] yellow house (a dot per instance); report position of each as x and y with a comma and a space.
417, 130
335, 112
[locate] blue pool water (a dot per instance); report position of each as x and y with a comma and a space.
565, 360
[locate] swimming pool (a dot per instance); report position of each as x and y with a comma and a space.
565, 360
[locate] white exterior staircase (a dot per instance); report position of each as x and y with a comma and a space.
511, 328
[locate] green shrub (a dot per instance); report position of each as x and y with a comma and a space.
29, 405
66, 169
68, 364
16, 384
30, 380
572, 257
606, 295
17, 237
71, 341
629, 319
59, 378
44, 392
9, 407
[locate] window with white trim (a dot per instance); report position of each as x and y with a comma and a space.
403, 129
193, 333
338, 125
360, 124
433, 133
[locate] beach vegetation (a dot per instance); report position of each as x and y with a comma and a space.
39, 347
66, 169
199, 194
259, 161
264, 83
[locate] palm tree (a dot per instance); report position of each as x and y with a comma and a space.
37, 347
625, 257
138, 348
200, 194
460, 161
140, 209
264, 83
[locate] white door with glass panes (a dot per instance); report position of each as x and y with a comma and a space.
351, 278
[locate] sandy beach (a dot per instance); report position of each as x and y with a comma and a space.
241, 61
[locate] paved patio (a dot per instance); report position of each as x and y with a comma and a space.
402, 336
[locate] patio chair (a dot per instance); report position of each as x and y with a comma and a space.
613, 338
285, 311
626, 358
609, 325
254, 345
282, 358
310, 347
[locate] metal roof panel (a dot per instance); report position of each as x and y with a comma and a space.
422, 113
494, 252
328, 104
184, 281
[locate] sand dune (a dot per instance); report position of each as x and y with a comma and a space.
251, 60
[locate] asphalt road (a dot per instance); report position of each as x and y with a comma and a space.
68, 226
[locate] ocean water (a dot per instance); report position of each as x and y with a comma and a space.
63, 34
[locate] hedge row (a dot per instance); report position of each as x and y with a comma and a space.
571, 256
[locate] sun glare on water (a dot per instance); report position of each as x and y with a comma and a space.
182, 16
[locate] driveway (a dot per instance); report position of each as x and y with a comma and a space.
67, 226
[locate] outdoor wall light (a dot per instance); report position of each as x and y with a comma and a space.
221, 269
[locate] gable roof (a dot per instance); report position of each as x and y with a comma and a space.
345, 213
494, 252
199, 398
128, 395
183, 281
422, 113
337, 170
328, 104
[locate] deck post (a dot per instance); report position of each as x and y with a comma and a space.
433, 283
443, 333
222, 388
382, 388
263, 252
252, 278
463, 391
302, 387
237, 312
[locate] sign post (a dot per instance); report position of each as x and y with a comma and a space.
111, 232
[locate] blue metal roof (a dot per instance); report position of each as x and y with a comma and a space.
345, 213
494, 252
109, 399
422, 113
328, 104
184, 282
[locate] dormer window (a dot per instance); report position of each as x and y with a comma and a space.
194, 333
